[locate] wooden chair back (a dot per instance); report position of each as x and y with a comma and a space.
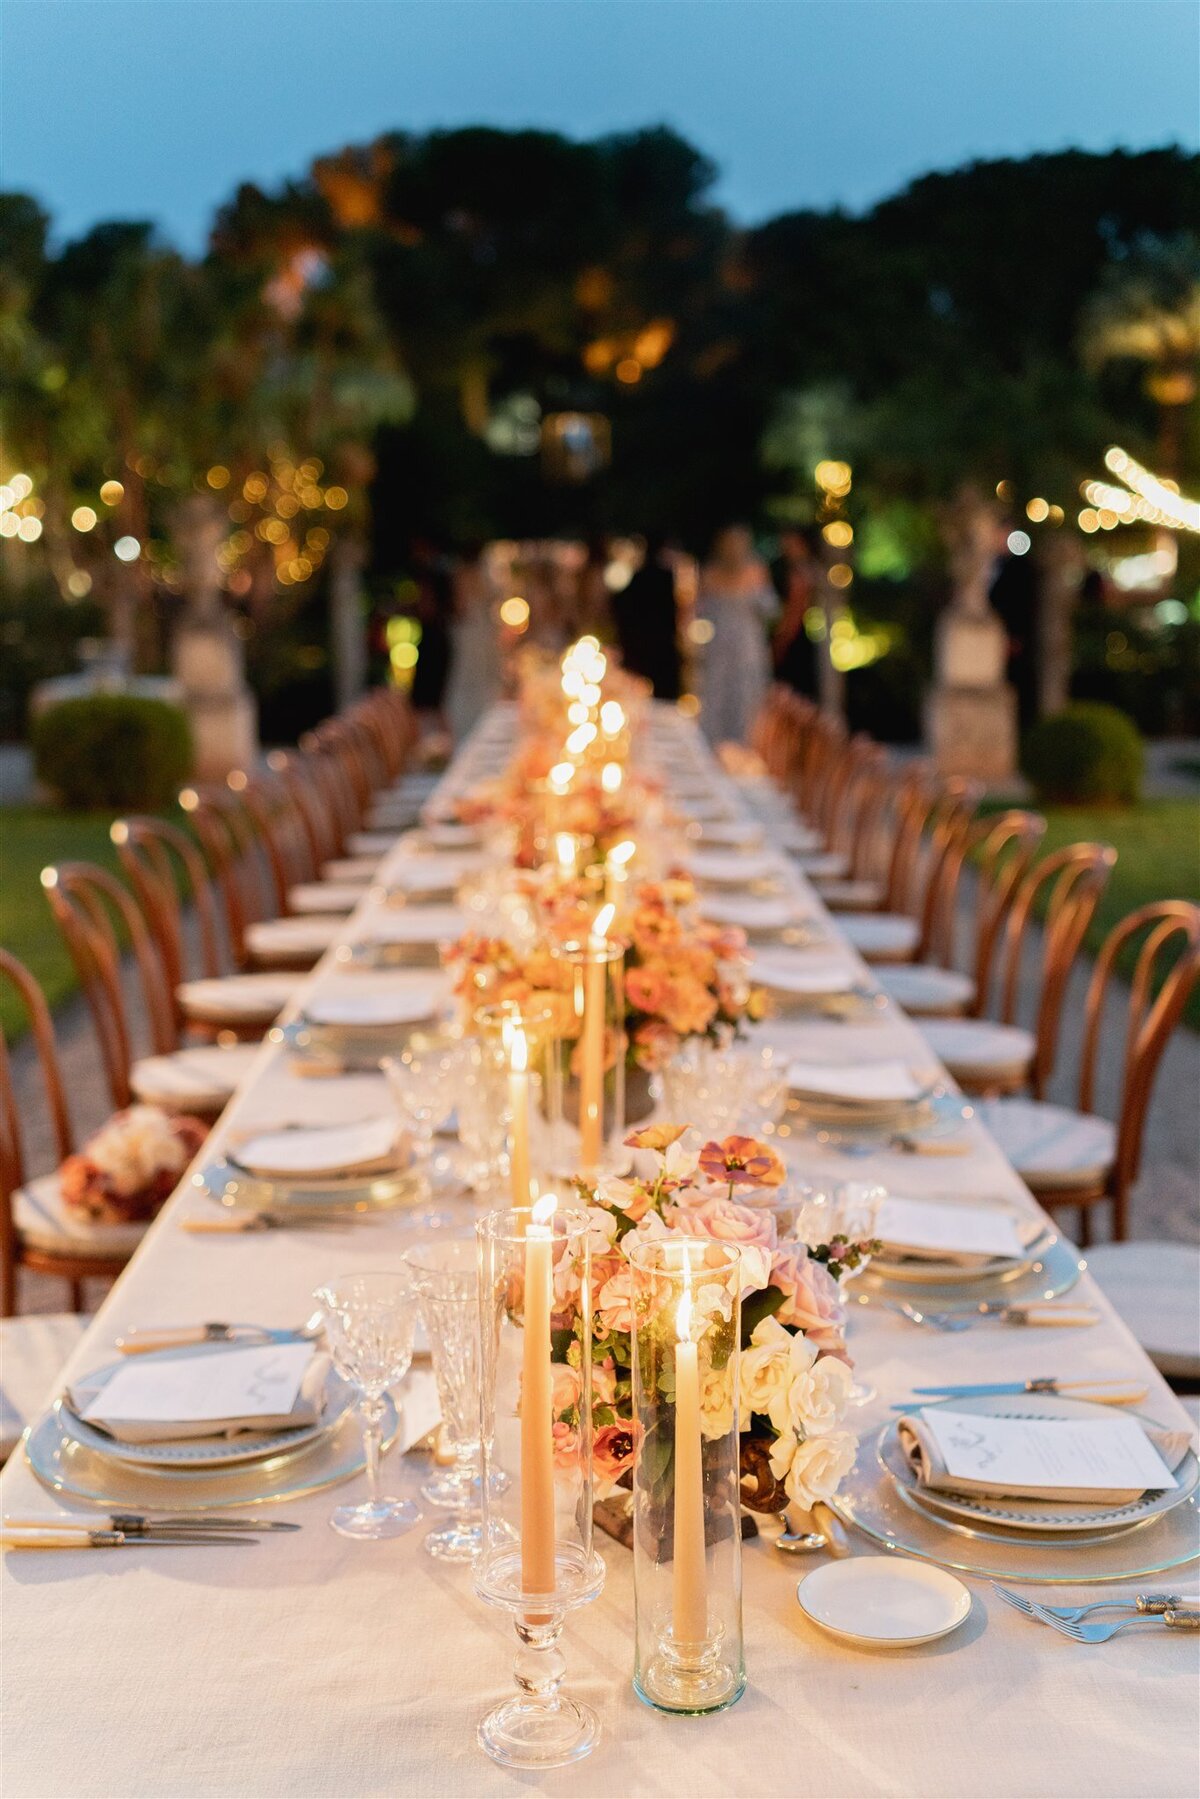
165, 867
1004, 846
1165, 973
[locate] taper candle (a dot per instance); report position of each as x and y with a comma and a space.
517, 1045
689, 1590
591, 1067
537, 1436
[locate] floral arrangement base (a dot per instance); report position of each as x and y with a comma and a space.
614, 1517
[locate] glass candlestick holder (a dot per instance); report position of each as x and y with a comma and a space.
537, 1561
589, 1085
687, 1534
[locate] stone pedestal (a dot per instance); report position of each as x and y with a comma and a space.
219, 705
971, 714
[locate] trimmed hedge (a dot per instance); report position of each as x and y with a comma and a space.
116, 750
1088, 753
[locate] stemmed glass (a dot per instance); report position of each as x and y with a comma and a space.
369, 1321
851, 1211
445, 1276
420, 1082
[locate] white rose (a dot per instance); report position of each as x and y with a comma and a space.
764, 1367
801, 1355
818, 1467
716, 1401
819, 1396
754, 1268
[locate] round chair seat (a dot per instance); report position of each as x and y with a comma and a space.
291, 942
201, 1080
923, 990
799, 839
45, 1222
1155, 1289
33, 1352
326, 896
881, 936
1053, 1149
851, 896
390, 814
243, 1000
358, 870
979, 1053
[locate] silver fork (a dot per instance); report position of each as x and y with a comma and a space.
1101, 1633
938, 1321
1147, 1605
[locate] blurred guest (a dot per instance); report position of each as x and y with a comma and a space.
592, 610
474, 682
736, 598
796, 573
647, 624
1016, 599
432, 573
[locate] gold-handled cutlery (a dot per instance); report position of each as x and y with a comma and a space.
1099, 1392
142, 1524
1148, 1605
1061, 1317
144, 1339
55, 1533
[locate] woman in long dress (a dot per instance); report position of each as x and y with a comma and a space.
737, 599
475, 656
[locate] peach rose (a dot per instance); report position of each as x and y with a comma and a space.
725, 1222
810, 1298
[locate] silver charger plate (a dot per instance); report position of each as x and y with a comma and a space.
872, 1504
204, 1452
1045, 1517
1054, 1270
238, 1190
69, 1467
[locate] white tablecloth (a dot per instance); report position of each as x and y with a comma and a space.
316, 1665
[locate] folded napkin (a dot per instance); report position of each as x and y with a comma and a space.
431, 873
733, 867
323, 1150
736, 833
867, 1082
1060, 1459
401, 1006
802, 974
425, 925
960, 1235
753, 912
172, 1398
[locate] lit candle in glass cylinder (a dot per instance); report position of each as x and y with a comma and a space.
591, 1062
516, 1044
616, 872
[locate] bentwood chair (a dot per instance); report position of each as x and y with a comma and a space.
1003, 848
1074, 1157
280, 938
94, 912
929, 816
1003, 1057
37, 1230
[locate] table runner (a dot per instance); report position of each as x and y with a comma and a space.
316, 1665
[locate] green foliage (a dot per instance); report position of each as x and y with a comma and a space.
39, 639
1088, 752
111, 749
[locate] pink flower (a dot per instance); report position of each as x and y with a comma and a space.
743, 1162
566, 1445
725, 1222
654, 1043
565, 1389
810, 1298
613, 1450
614, 1302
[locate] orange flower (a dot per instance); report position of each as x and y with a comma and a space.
656, 1136
742, 1162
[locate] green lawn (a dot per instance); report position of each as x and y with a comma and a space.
31, 837
1158, 856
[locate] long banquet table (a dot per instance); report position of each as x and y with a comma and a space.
317, 1665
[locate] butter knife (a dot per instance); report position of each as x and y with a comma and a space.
1117, 1392
31, 1533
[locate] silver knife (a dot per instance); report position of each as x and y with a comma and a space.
132, 1524
1113, 1392
142, 1340
51, 1533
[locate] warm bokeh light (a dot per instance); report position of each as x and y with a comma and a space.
127, 549
112, 492
839, 533
841, 574
514, 612
84, 518
1037, 510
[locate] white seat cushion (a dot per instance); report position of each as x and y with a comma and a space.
389, 814
243, 999
1051, 1147
824, 865
44, 1222
33, 1352
798, 839
357, 869
921, 988
881, 936
201, 1079
291, 940
975, 1049
851, 896
327, 896
1155, 1287
371, 843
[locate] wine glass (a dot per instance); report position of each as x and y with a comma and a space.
369, 1322
445, 1276
850, 1210
420, 1080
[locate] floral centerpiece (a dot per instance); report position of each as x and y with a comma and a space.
795, 1375
132, 1165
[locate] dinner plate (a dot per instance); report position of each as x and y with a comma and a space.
204, 1452
884, 1601
872, 1504
1041, 1516
308, 1196
69, 1467
1054, 1270
371, 1011
929, 1270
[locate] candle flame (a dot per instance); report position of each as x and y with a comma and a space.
623, 853
683, 1316
561, 776
612, 718
579, 739
544, 1208
564, 849
611, 777
603, 921
517, 1045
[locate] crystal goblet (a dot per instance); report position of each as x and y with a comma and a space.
445, 1276
369, 1322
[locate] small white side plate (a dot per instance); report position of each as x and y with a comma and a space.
884, 1600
